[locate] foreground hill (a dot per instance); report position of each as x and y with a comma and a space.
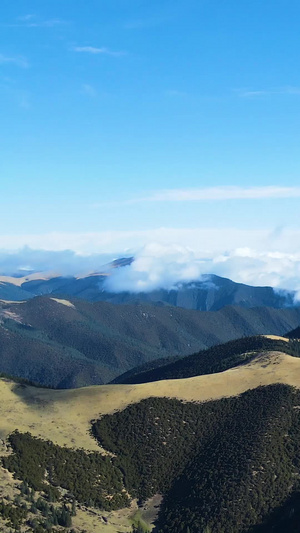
218, 469
211, 293
62, 343
64, 416
215, 467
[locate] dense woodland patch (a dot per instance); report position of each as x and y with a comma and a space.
222, 466
90, 477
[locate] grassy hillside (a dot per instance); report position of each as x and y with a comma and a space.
63, 344
63, 416
156, 445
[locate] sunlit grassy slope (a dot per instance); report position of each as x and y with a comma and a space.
63, 416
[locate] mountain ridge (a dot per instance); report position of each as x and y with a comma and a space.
211, 292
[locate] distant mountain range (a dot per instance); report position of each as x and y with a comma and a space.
211, 293
71, 343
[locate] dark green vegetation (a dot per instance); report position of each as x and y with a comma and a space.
92, 343
35, 513
215, 359
14, 515
211, 293
228, 465
90, 477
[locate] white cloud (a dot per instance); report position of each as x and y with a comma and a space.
158, 266
96, 51
19, 61
221, 193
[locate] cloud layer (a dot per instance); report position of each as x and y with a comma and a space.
163, 265
158, 266
163, 256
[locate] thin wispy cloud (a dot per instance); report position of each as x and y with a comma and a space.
19, 61
26, 18
253, 93
220, 193
89, 90
140, 24
46, 23
175, 92
24, 101
97, 51
33, 21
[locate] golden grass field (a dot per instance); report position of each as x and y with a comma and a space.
63, 416
31, 277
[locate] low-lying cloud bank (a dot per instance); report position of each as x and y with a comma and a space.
158, 266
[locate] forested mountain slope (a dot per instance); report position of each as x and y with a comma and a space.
62, 343
294, 334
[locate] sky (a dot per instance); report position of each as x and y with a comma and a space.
165, 129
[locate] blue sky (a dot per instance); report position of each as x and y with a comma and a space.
108, 106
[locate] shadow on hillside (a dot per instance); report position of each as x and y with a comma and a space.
284, 518
31, 396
